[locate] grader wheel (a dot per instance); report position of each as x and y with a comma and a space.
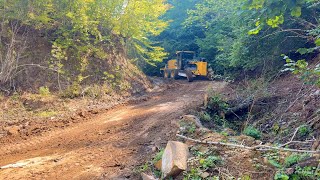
189, 76
174, 74
166, 74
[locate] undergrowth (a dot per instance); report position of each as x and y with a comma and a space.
252, 131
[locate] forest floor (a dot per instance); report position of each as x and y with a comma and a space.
100, 144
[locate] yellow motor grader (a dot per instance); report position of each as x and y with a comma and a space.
185, 65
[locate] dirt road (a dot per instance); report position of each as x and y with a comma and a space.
109, 145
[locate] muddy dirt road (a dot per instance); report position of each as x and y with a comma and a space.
109, 145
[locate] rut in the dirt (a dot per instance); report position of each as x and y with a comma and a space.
109, 145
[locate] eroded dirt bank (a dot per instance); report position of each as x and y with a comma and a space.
109, 145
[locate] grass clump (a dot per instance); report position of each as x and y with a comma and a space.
204, 116
304, 131
158, 156
44, 91
252, 131
294, 158
46, 114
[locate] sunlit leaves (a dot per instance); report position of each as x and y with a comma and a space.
255, 31
310, 75
276, 21
256, 4
296, 11
141, 17
82, 29
317, 42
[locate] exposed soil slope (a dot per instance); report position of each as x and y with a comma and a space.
109, 145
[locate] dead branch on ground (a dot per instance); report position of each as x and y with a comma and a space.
260, 147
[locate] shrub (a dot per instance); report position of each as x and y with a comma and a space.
217, 104
204, 116
44, 91
253, 132
307, 172
210, 161
304, 131
281, 176
293, 159
72, 91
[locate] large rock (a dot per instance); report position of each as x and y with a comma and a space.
174, 159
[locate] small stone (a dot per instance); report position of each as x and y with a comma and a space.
154, 149
205, 175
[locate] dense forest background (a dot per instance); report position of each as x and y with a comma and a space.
70, 43
243, 37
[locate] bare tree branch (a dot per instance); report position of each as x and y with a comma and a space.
254, 148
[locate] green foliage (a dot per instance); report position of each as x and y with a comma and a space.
158, 156
304, 131
193, 174
275, 13
252, 131
187, 127
44, 91
215, 102
281, 176
15, 96
215, 110
176, 36
306, 173
294, 158
300, 173
143, 168
276, 21
228, 27
301, 67
245, 177
209, 162
276, 128
274, 163
272, 12
204, 116
82, 30
317, 42
72, 91
202, 162
97, 91
226, 43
